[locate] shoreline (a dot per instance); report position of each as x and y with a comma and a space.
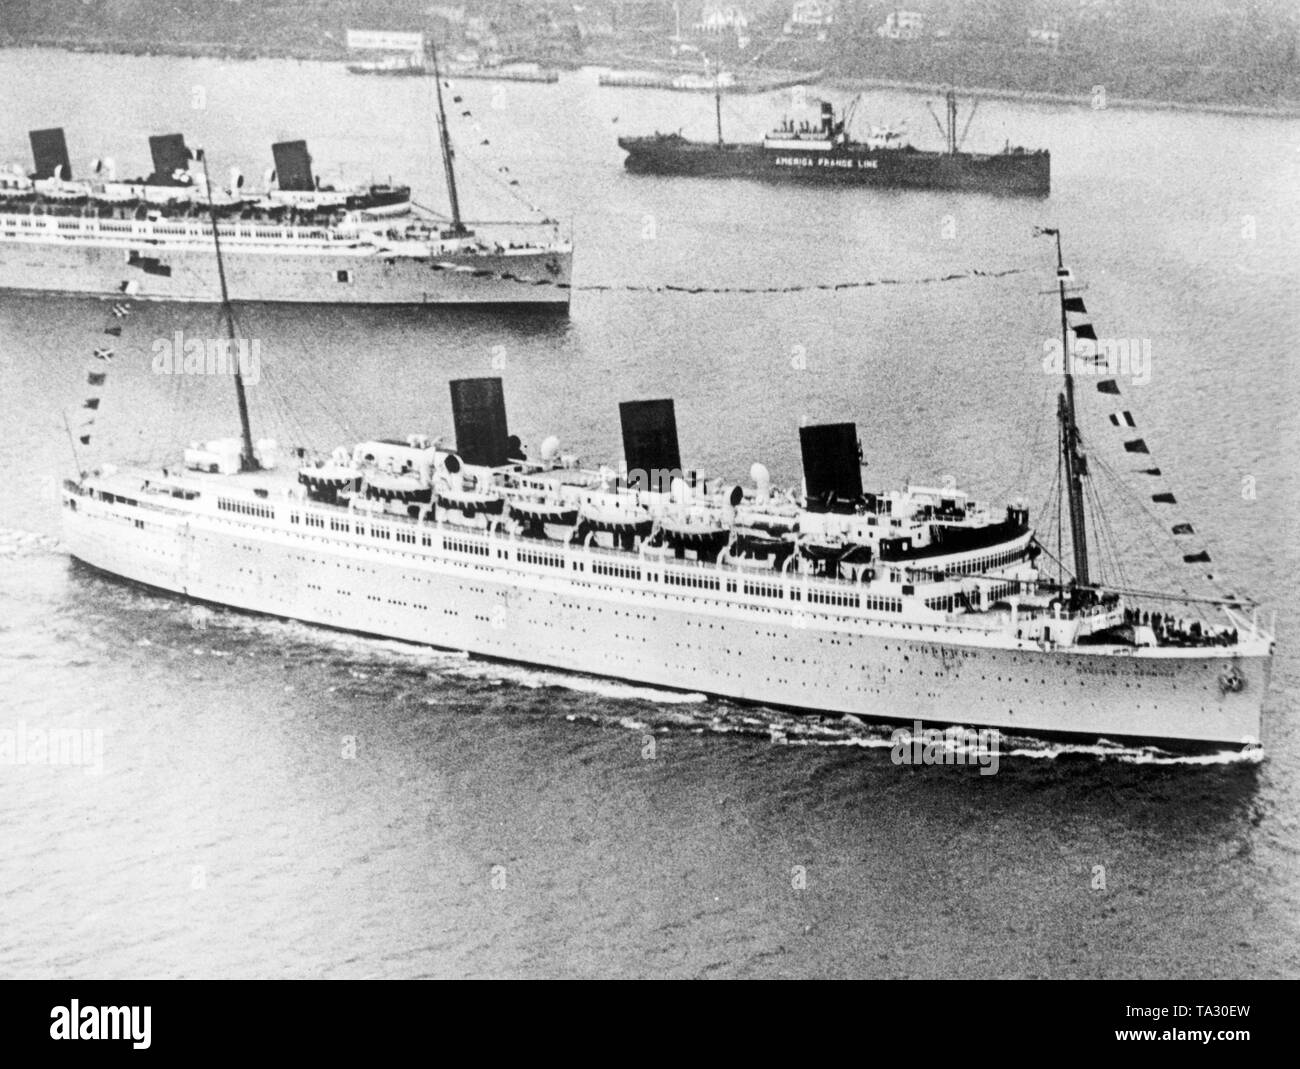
110, 46
1289, 109
1286, 109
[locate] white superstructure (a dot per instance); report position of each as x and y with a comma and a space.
298, 241
411, 260
918, 604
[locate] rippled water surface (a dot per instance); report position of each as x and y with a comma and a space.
506, 821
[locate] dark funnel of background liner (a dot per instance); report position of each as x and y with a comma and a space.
169, 156
50, 152
293, 166
650, 444
478, 410
831, 468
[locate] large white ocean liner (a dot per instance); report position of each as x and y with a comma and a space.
298, 241
917, 603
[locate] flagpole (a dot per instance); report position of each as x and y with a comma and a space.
247, 457
1074, 463
448, 154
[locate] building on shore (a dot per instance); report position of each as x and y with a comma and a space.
812, 17
902, 26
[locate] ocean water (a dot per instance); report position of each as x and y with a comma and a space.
269, 799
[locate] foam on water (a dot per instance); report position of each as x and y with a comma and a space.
15, 543
358, 648
538, 679
812, 730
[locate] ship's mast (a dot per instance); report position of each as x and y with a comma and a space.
247, 459
717, 93
952, 122
456, 224
1075, 465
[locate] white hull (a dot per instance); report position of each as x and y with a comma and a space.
337, 272
491, 597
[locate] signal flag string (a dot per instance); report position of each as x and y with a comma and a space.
1123, 421
507, 276
101, 357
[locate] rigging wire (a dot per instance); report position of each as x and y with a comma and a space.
1045, 510
304, 373
1060, 537
1033, 451
1109, 541
276, 408
467, 152
1155, 551
1060, 565
1102, 533
505, 186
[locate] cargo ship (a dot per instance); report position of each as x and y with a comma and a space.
896, 605
298, 241
824, 152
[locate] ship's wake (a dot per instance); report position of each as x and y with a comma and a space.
658, 710
718, 717
357, 652
537, 679
344, 648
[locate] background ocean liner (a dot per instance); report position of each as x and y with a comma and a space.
297, 242
918, 603
824, 152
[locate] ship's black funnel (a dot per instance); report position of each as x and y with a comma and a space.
293, 166
650, 444
169, 157
831, 465
478, 409
50, 152
828, 116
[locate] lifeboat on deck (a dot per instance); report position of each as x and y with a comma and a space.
836, 560
621, 523
757, 549
765, 523
326, 482
470, 508
701, 534
535, 516
403, 489
465, 498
